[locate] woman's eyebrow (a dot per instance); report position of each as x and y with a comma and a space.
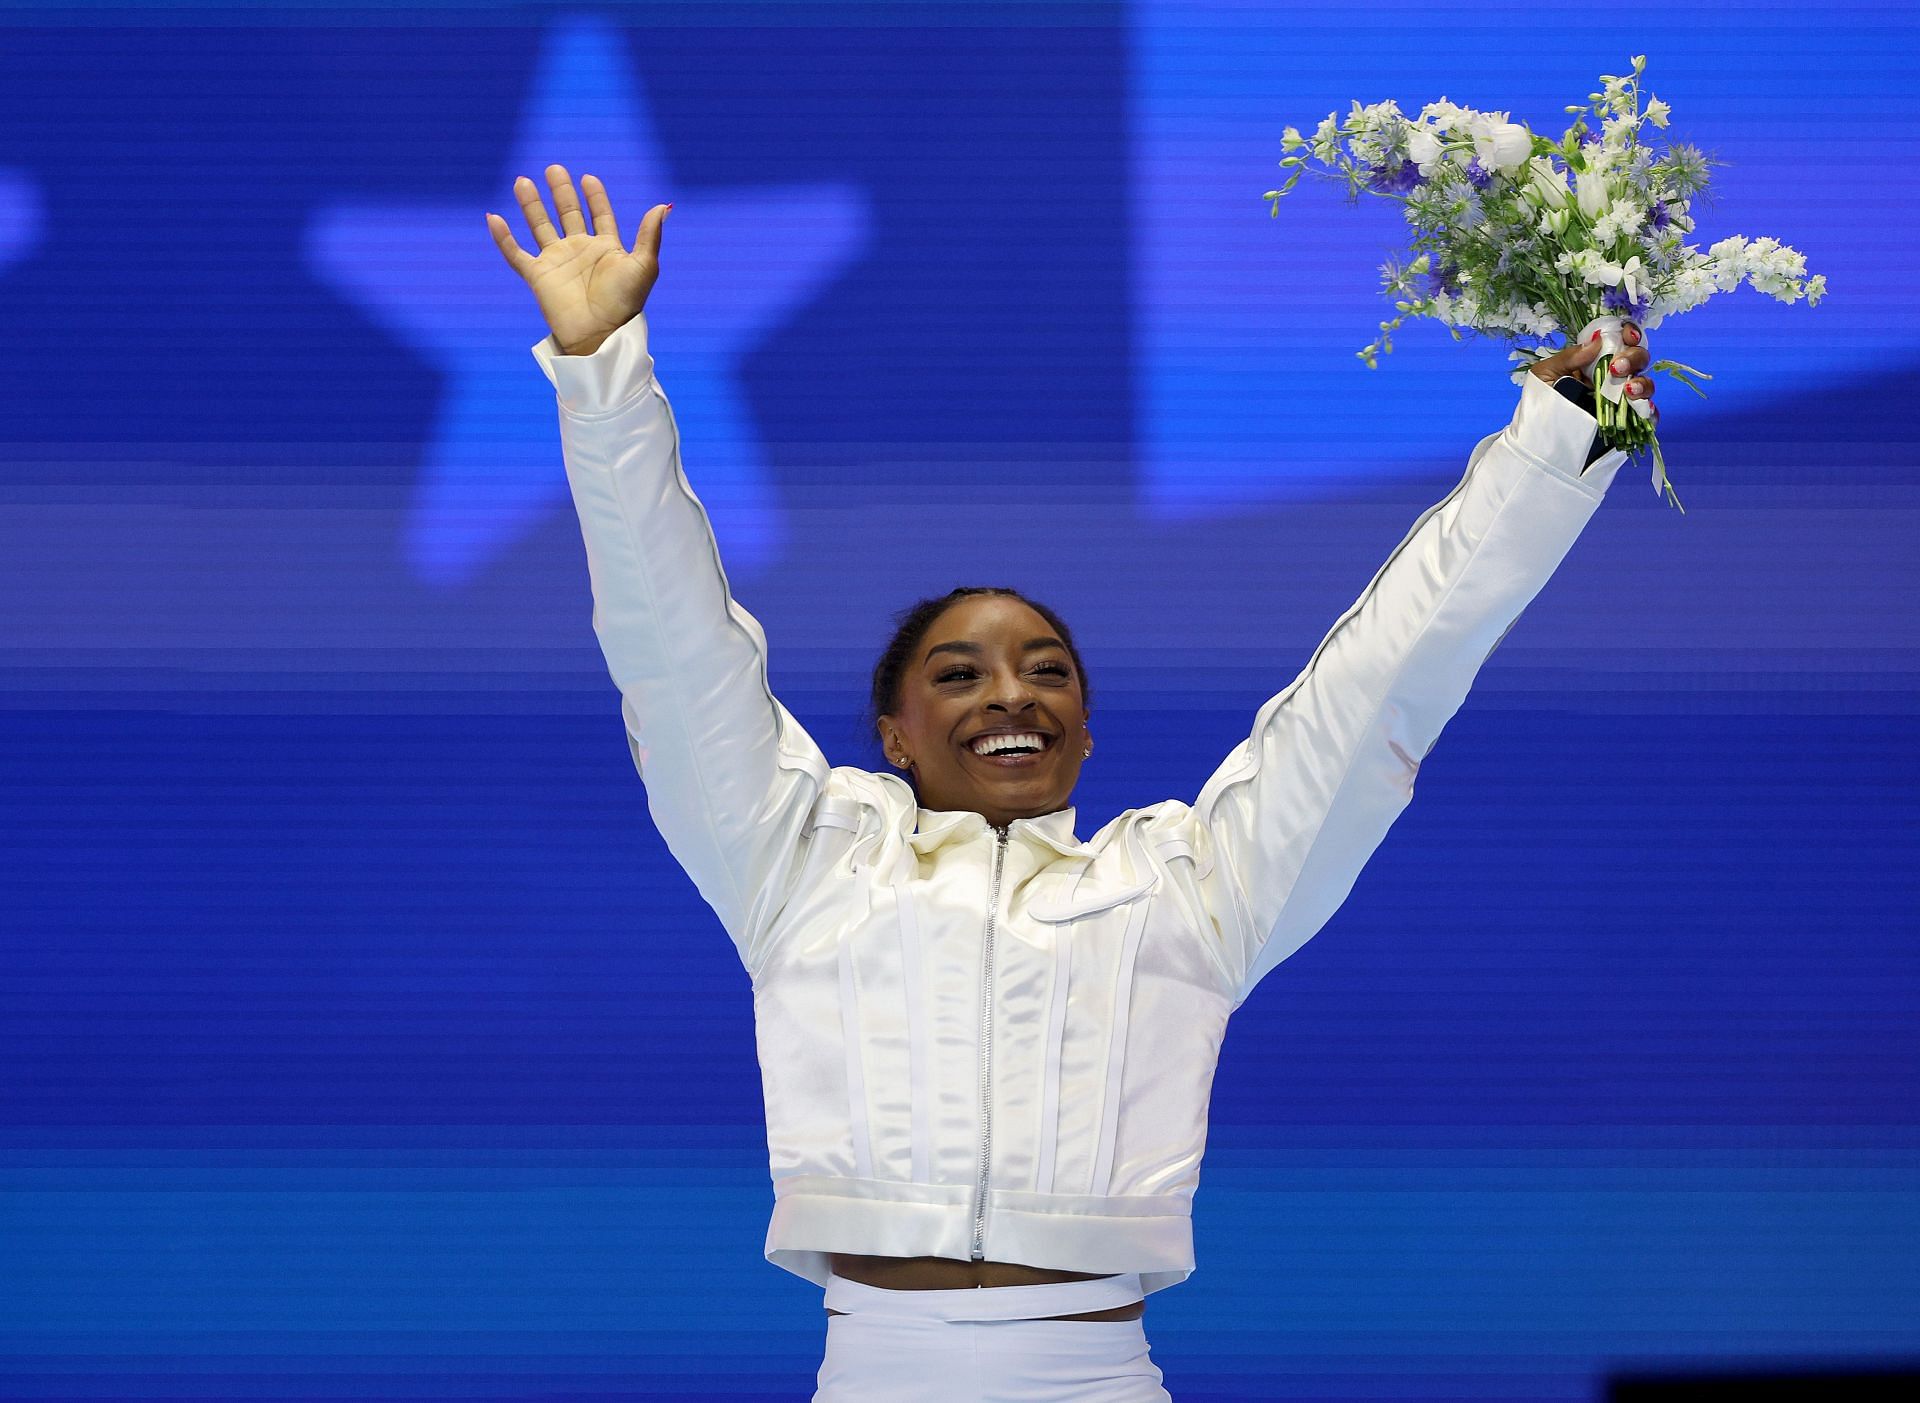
1032, 643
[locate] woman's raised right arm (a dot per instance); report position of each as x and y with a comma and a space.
731, 777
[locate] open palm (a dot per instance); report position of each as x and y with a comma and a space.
587, 284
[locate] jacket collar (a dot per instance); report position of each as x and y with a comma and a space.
1054, 830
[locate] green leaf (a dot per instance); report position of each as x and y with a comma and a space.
1680, 372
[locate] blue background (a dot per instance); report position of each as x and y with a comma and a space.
358, 1036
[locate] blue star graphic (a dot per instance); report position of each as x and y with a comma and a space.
22, 215
733, 266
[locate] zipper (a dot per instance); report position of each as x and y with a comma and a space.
986, 1057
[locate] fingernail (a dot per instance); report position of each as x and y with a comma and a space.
1594, 337
1631, 335
1617, 366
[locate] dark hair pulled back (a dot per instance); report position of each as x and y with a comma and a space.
911, 626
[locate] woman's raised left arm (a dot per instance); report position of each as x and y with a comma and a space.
1295, 810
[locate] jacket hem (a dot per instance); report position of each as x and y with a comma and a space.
817, 1215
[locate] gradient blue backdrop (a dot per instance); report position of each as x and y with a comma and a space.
358, 1036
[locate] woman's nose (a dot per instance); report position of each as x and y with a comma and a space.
1013, 693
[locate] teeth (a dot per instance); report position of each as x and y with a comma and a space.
988, 745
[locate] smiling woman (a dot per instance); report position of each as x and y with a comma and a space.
981, 697
987, 1045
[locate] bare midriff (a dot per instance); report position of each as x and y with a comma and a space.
949, 1274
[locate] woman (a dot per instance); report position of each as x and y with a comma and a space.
987, 1045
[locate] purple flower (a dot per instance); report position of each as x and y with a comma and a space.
1659, 217
1478, 174
1616, 302
1441, 277
1397, 181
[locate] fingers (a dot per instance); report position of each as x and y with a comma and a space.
565, 201
534, 209
1583, 362
517, 258
651, 225
1620, 368
572, 221
601, 207
1623, 365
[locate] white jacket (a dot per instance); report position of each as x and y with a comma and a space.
1000, 1044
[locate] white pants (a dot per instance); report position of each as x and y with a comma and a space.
986, 1345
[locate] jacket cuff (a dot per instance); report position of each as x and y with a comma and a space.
1556, 433
600, 385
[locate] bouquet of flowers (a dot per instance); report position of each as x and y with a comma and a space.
1519, 236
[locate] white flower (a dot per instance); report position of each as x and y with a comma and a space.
1590, 188
1424, 148
1501, 145
1691, 287
1624, 219
1657, 112
1728, 262
1548, 183
1776, 257
1775, 269
1584, 263
1326, 140
1615, 274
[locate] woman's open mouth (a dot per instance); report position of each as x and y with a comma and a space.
1014, 751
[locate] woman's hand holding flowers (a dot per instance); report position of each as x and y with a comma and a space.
1577, 360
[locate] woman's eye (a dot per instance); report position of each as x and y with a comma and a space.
953, 674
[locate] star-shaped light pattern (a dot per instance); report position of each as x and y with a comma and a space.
22, 215
733, 266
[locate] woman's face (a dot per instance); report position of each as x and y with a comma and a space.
990, 664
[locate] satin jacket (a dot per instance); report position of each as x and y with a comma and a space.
999, 1044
